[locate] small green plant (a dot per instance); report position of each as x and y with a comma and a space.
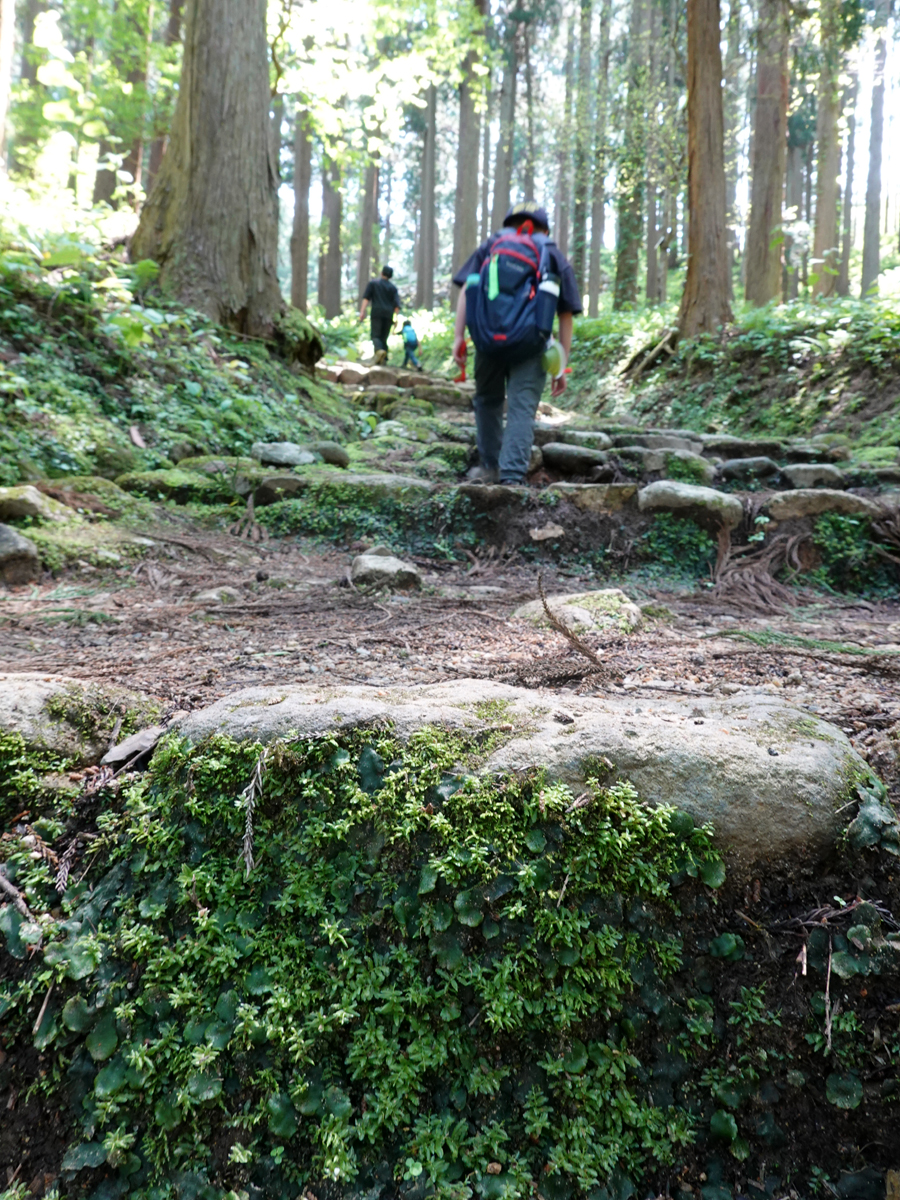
677, 547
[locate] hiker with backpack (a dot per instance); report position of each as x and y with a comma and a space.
512, 287
385, 300
410, 342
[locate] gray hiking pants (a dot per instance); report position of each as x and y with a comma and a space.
506, 450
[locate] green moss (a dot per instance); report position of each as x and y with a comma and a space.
677, 547
850, 562
183, 485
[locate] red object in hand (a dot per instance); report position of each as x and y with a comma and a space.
567, 371
461, 377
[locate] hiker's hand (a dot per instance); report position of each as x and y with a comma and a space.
558, 386
460, 351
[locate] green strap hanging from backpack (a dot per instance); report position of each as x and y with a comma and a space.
493, 278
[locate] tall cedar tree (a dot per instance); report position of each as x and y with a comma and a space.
871, 263
7, 40
504, 153
329, 294
582, 173
763, 254
367, 226
465, 211
630, 206
428, 217
300, 230
211, 221
828, 164
598, 190
843, 284
705, 303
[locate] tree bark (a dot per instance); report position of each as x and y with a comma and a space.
211, 221
843, 284
582, 140
330, 258
763, 255
300, 231
871, 262
486, 167
503, 168
7, 42
528, 172
428, 235
465, 209
158, 145
828, 115
651, 290
367, 227
732, 116
630, 206
705, 303
598, 192
793, 200
564, 155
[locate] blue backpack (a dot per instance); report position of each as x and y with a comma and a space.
511, 302
409, 337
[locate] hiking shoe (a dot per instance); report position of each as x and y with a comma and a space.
482, 475
380, 358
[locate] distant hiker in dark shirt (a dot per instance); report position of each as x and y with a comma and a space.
410, 343
504, 453
385, 301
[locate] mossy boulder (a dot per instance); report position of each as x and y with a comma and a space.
19, 559
703, 505
26, 501
607, 609
298, 339
184, 486
596, 497
809, 502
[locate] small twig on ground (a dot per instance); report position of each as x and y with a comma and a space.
830, 1013
250, 793
561, 627
16, 896
40, 1015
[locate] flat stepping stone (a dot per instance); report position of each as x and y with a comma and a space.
810, 502
775, 781
282, 454
726, 446
185, 486
606, 609
442, 395
810, 475
659, 441
338, 488
748, 468
670, 463
572, 460
596, 497
24, 500
703, 505
592, 439
379, 570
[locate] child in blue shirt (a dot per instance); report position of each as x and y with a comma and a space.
410, 342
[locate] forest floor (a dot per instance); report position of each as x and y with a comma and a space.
292, 617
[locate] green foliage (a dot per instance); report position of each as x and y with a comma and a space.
425, 973
775, 637
677, 547
849, 561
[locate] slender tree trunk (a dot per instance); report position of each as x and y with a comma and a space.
30, 11
564, 156
465, 211
158, 145
367, 226
428, 236
598, 191
388, 185
871, 262
503, 168
582, 173
330, 256
211, 221
486, 167
651, 290
528, 173
732, 116
277, 120
630, 206
843, 285
828, 114
300, 231
705, 305
7, 42
763, 256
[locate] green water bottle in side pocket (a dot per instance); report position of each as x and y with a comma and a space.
553, 359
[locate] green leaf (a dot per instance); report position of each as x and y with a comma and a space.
311, 1104
227, 1006
259, 981
846, 965
66, 256
77, 1016
681, 824
575, 1059
10, 924
740, 1149
167, 1114
203, 1085
111, 1079
844, 1090
712, 872
88, 1154
447, 950
428, 880
282, 1116
535, 841
338, 1102
728, 945
103, 1039
442, 917
722, 1125
195, 1030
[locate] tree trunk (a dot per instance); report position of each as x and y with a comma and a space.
211, 221
630, 206
732, 115
598, 192
300, 231
582, 139
793, 201
705, 304
651, 290
871, 262
843, 284
367, 227
158, 145
528, 172
465, 209
330, 258
386, 242
763, 256
503, 168
428, 236
7, 42
828, 115
564, 156
486, 167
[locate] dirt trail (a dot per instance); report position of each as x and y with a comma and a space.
293, 618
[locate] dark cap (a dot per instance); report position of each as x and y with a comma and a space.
387, 272
524, 210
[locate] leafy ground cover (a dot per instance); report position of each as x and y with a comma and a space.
352, 966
